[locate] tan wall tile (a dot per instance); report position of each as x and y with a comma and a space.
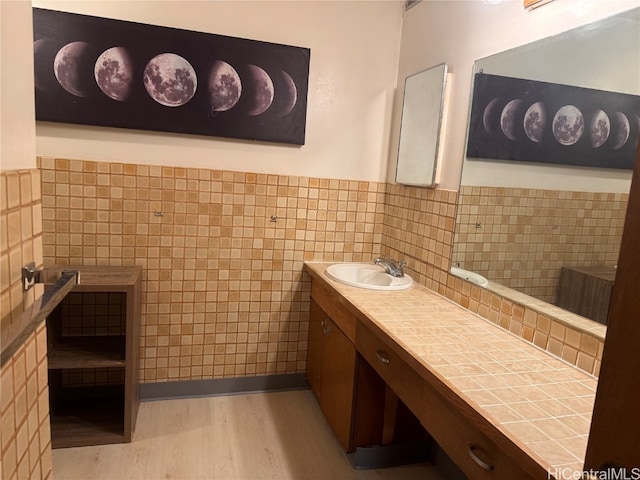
213, 260
21, 217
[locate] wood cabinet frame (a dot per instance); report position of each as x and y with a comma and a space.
614, 439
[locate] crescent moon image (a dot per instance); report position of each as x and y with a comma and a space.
225, 87
491, 117
568, 125
44, 75
635, 145
508, 118
259, 90
599, 129
535, 119
620, 130
73, 66
114, 73
170, 80
285, 95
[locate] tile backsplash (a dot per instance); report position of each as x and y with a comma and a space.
222, 253
522, 237
419, 227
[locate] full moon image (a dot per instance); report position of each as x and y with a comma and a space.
72, 66
286, 93
224, 87
491, 117
509, 120
599, 129
620, 130
114, 73
259, 90
568, 125
535, 119
170, 80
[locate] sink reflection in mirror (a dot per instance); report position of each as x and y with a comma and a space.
368, 276
472, 277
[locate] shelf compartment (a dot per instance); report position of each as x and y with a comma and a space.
87, 352
88, 416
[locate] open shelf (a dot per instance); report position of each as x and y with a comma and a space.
88, 352
93, 346
88, 416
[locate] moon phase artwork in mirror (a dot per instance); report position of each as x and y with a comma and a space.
113, 73
533, 121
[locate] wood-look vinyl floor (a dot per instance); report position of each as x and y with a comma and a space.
280, 435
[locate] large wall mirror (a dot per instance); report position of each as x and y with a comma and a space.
423, 109
548, 236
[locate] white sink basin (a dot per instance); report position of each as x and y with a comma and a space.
367, 275
470, 276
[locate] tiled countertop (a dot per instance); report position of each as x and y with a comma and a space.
540, 402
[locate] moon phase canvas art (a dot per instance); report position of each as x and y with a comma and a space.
112, 73
532, 121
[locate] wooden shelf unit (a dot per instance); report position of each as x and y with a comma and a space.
93, 341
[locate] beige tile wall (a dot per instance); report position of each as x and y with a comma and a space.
419, 228
25, 437
223, 292
25, 433
521, 238
223, 289
20, 238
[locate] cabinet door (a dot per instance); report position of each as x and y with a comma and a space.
338, 379
331, 367
314, 348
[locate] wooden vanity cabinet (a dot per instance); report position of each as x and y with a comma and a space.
355, 400
331, 372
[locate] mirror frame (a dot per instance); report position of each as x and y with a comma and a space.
421, 127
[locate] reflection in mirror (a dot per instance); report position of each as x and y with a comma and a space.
548, 236
423, 111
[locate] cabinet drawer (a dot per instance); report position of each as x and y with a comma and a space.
400, 377
474, 453
329, 301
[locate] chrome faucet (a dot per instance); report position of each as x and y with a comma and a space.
392, 267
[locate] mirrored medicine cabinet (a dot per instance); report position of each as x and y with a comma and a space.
422, 126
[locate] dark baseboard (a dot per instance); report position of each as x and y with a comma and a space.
384, 456
221, 386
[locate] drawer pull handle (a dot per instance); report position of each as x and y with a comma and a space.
383, 357
475, 458
327, 329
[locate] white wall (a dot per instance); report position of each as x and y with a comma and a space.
354, 54
460, 32
17, 137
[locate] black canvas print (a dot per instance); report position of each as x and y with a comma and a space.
532, 121
98, 71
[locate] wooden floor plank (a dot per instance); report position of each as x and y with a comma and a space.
280, 435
